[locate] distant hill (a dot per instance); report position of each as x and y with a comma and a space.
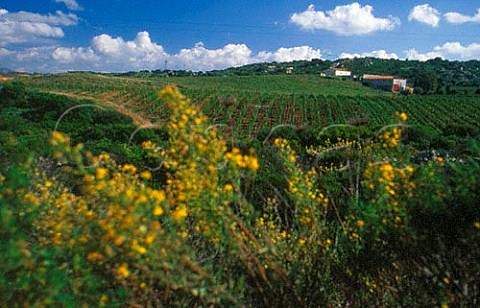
432, 76
445, 76
453, 73
314, 66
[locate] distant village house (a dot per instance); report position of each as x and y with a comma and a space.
289, 70
386, 83
337, 72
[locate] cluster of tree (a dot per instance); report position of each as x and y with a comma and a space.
275, 68
428, 77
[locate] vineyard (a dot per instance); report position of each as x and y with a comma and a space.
244, 106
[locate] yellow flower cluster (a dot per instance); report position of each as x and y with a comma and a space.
402, 116
267, 224
391, 185
243, 161
310, 203
338, 145
393, 180
59, 138
113, 218
202, 175
391, 138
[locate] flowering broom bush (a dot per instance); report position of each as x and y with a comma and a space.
96, 232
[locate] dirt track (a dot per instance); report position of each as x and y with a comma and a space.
138, 119
4, 78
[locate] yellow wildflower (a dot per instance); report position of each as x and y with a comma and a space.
94, 256
58, 138
228, 188
103, 300
123, 271
101, 173
140, 249
254, 165
180, 213
149, 239
129, 168
158, 195
148, 144
146, 175
119, 240
157, 210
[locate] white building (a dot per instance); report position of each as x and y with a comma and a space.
386, 83
337, 72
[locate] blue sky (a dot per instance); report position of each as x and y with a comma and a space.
114, 35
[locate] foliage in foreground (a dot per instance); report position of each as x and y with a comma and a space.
377, 230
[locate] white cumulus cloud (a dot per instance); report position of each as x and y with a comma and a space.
380, 54
118, 48
71, 4
290, 54
457, 18
201, 58
456, 49
425, 14
74, 55
351, 19
114, 54
450, 50
108, 53
413, 54
26, 27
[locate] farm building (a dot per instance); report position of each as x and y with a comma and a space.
337, 72
386, 83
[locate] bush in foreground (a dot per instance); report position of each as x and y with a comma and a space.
104, 233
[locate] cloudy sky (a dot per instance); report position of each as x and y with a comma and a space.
116, 36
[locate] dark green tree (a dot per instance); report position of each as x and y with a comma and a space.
426, 83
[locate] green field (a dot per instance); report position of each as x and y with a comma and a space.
247, 105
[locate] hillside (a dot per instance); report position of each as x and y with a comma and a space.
446, 73
449, 76
442, 76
